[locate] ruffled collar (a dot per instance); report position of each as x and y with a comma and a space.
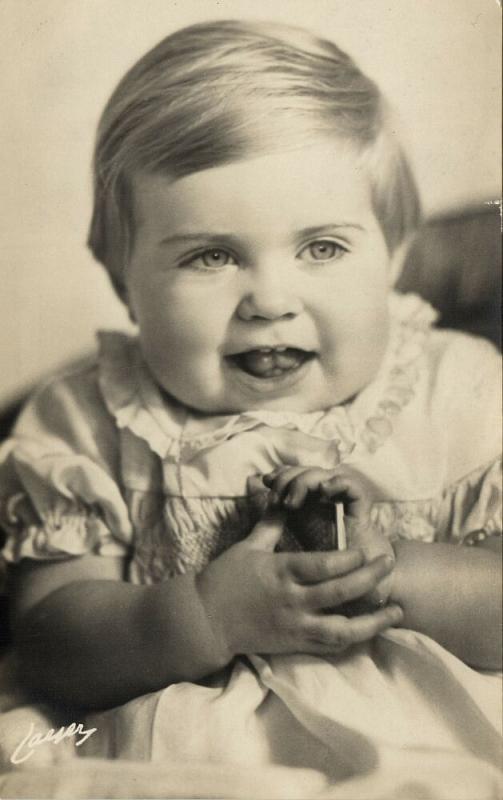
133, 398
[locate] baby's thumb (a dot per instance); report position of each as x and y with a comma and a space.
266, 533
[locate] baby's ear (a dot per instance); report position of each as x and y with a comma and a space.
124, 295
130, 312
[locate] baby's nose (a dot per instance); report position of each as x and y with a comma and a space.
269, 298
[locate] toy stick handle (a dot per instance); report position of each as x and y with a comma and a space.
339, 541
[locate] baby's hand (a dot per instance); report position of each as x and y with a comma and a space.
290, 487
259, 601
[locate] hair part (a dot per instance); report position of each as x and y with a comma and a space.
219, 92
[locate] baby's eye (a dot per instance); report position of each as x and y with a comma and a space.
322, 250
214, 257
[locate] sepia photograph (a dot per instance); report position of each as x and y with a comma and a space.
251, 400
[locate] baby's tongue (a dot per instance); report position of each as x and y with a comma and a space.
268, 363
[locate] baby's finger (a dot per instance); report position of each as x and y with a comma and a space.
341, 590
270, 477
279, 480
357, 500
266, 533
333, 633
301, 485
308, 568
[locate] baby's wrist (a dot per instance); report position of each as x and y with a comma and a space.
193, 650
213, 620
399, 575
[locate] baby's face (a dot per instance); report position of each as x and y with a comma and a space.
261, 283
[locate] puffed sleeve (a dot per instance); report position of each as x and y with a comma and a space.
473, 504
59, 488
471, 394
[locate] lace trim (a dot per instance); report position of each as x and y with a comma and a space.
120, 386
408, 346
133, 398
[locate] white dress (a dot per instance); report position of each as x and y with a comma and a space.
102, 462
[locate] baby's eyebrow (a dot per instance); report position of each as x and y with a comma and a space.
203, 236
323, 229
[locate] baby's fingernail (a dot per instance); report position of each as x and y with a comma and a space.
389, 562
395, 613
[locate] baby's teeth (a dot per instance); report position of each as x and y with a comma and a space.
287, 360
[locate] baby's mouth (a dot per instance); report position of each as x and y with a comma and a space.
270, 362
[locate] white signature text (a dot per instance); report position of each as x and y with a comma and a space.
34, 739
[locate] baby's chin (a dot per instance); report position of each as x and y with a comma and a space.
294, 402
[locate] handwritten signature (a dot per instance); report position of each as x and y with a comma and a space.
33, 739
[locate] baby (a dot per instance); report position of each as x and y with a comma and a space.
253, 207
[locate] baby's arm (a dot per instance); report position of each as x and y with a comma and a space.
87, 638
451, 593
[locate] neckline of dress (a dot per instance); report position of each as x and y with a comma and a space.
136, 402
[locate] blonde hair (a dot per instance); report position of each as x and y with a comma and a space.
219, 92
